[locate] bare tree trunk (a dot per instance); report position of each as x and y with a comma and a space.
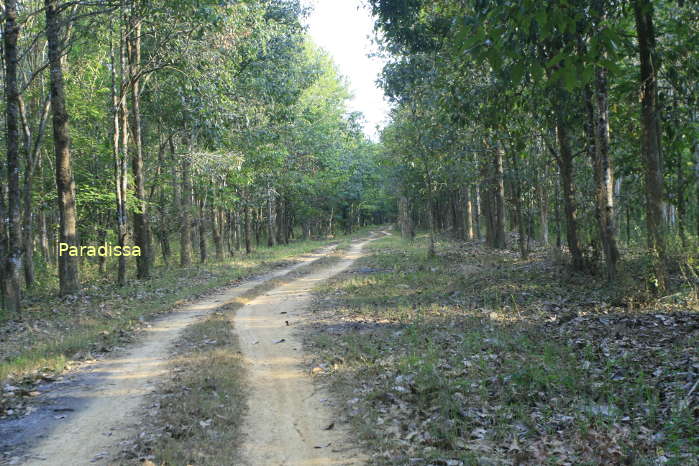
32, 159
517, 195
140, 218
466, 196
101, 239
13, 260
565, 160
543, 211
186, 226
67, 265
604, 175
499, 239
459, 219
248, 227
122, 154
163, 236
271, 234
650, 138
404, 218
477, 211
217, 230
202, 231
44, 237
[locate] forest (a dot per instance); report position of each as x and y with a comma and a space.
508, 273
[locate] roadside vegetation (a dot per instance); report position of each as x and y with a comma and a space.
476, 356
56, 334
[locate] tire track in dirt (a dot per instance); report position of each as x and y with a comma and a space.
288, 422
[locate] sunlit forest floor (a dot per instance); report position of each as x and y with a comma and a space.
479, 357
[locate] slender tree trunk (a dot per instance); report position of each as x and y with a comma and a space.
566, 165
140, 218
499, 239
163, 236
543, 211
44, 237
123, 155
650, 138
477, 211
458, 205
517, 195
271, 218
32, 159
186, 226
13, 263
201, 223
217, 231
466, 196
404, 218
67, 266
604, 175
248, 227
101, 239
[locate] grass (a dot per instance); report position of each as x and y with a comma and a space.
477, 357
53, 331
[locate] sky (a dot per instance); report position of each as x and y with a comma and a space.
344, 29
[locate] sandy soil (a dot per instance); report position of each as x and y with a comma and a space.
83, 420
289, 421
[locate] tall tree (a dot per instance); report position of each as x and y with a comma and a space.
13, 262
69, 282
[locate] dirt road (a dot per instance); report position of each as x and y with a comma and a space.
288, 422
84, 419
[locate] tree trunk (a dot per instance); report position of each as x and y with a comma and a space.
123, 152
459, 220
271, 218
67, 265
650, 138
248, 228
404, 218
466, 196
217, 231
186, 226
163, 236
499, 241
604, 174
543, 211
517, 198
32, 159
565, 161
13, 259
477, 211
101, 239
44, 237
140, 218
201, 223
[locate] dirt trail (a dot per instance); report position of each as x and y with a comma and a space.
85, 418
288, 419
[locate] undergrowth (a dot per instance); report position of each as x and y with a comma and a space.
478, 357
